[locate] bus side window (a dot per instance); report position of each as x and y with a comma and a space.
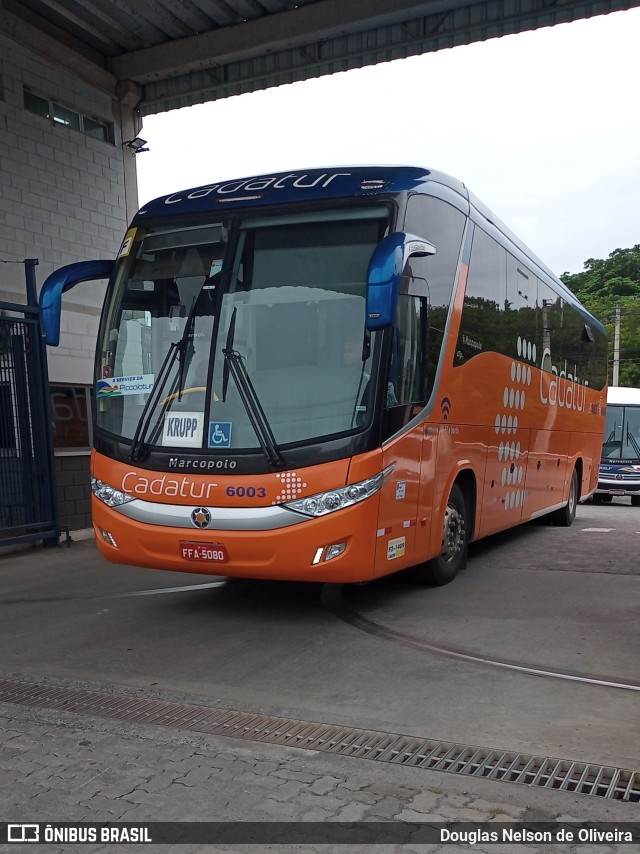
483, 326
443, 225
522, 316
404, 394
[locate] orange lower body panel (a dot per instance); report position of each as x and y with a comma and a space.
285, 554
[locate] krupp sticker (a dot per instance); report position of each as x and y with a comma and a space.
395, 548
119, 386
183, 429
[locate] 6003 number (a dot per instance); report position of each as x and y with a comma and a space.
246, 491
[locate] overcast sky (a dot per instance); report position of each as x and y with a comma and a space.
544, 127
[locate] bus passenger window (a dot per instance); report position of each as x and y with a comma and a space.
482, 326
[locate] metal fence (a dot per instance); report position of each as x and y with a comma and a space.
27, 480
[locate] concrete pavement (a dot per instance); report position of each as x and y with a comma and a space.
72, 621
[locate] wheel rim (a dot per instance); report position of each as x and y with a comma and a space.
452, 534
573, 490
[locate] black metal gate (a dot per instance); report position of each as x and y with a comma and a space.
27, 480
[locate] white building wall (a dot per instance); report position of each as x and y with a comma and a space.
62, 197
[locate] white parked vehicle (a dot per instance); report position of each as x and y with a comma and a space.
620, 464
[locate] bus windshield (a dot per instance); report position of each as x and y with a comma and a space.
622, 433
283, 296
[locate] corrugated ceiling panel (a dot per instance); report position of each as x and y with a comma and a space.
426, 34
313, 38
120, 26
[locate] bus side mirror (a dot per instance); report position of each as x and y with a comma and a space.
61, 280
385, 274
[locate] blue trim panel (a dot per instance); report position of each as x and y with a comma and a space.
625, 471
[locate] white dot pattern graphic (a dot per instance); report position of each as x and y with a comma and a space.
292, 486
514, 399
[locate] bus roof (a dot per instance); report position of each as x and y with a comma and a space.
298, 186
623, 396
335, 182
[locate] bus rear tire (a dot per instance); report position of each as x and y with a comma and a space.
443, 568
564, 517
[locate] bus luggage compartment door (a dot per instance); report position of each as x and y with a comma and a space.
546, 471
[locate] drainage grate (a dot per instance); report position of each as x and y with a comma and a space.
542, 771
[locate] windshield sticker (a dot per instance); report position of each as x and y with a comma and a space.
216, 267
220, 434
183, 429
120, 386
127, 243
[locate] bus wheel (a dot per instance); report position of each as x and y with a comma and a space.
565, 515
453, 552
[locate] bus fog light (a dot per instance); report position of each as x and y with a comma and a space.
334, 550
109, 538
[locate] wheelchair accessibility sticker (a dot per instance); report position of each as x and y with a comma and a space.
220, 434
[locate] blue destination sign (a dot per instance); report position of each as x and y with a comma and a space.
303, 185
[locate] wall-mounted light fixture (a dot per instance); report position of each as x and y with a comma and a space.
137, 144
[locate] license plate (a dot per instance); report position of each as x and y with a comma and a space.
209, 552
616, 492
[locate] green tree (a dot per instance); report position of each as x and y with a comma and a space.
605, 285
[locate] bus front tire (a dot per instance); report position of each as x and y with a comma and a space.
443, 568
565, 515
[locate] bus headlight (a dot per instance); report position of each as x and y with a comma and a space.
338, 499
109, 494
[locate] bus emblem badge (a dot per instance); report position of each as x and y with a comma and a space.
201, 517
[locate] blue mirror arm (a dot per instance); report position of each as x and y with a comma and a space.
61, 280
385, 272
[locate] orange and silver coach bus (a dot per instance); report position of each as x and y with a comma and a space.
331, 375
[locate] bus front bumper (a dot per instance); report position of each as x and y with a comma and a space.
617, 487
269, 543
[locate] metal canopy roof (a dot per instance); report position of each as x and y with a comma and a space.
165, 54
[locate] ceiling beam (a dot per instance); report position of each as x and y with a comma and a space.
276, 32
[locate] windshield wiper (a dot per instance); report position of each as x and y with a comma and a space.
234, 364
184, 346
632, 441
229, 346
177, 350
